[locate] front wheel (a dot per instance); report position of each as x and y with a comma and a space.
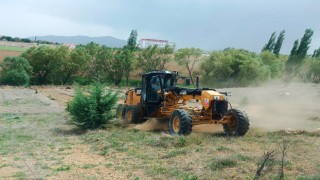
239, 124
180, 122
133, 115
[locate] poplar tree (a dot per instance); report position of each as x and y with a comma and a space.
132, 41
277, 46
304, 44
269, 46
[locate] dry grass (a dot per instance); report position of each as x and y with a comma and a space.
43, 145
204, 155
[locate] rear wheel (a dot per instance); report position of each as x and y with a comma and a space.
239, 123
132, 115
180, 122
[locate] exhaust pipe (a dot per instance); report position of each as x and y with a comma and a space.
197, 82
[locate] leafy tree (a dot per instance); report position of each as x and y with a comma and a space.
101, 63
71, 63
128, 61
44, 62
94, 66
26, 40
234, 67
270, 45
60, 56
7, 38
16, 39
115, 63
154, 58
165, 55
15, 71
93, 109
253, 71
188, 57
278, 44
129, 49
148, 59
275, 63
132, 41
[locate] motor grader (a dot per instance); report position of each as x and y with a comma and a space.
160, 98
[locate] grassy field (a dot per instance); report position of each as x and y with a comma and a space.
37, 144
46, 146
12, 48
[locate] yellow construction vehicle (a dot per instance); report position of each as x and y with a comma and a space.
159, 97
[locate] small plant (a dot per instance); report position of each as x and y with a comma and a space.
218, 164
90, 111
283, 148
267, 157
63, 168
180, 141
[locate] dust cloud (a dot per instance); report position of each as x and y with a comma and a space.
280, 105
152, 124
272, 106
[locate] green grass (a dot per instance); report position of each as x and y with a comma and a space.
218, 164
12, 48
63, 168
20, 175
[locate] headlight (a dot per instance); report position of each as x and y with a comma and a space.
183, 92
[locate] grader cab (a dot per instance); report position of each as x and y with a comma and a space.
160, 98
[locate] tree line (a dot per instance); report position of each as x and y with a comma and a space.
227, 68
25, 40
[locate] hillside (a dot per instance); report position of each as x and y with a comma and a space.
103, 40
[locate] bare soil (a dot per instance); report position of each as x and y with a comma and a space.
4, 54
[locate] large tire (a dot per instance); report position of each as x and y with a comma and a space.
180, 122
132, 115
239, 125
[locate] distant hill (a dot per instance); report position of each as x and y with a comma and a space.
103, 40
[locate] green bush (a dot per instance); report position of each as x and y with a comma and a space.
93, 109
15, 71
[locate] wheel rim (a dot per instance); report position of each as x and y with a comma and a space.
129, 116
176, 124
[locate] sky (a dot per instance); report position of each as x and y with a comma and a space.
206, 24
